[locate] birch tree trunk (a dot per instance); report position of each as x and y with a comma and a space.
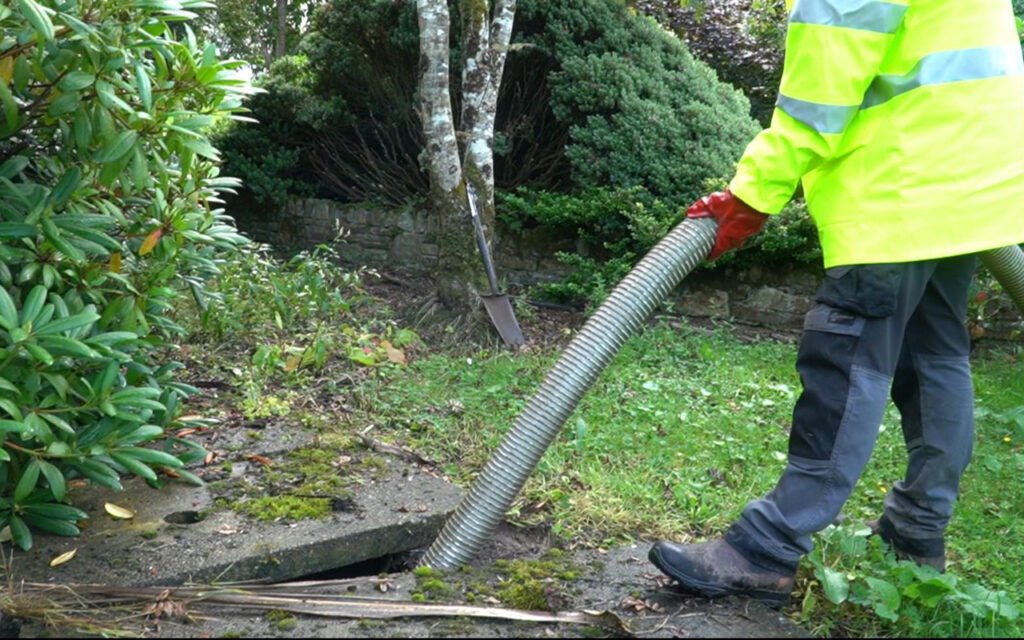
282, 29
485, 38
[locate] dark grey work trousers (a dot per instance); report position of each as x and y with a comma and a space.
873, 329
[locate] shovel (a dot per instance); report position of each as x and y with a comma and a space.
497, 304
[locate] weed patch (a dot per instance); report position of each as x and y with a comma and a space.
860, 574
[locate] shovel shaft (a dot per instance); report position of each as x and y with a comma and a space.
481, 241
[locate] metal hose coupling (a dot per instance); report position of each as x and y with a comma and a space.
593, 348
1007, 265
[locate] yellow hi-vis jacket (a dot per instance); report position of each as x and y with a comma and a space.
905, 121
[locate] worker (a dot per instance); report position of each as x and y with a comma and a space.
904, 120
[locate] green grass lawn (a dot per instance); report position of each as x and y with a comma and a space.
680, 432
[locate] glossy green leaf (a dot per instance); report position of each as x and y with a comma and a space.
144, 86
10, 109
54, 478
13, 166
13, 426
834, 584
151, 456
56, 238
134, 465
29, 478
8, 311
69, 323
20, 533
77, 80
33, 303
38, 353
118, 147
18, 230
11, 408
189, 477
56, 511
66, 187
51, 525
64, 103
38, 18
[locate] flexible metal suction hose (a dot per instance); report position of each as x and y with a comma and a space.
1007, 265
584, 359
587, 355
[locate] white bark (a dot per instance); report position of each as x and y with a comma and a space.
485, 42
282, 28
441, 155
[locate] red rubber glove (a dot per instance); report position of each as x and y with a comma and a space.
736, 220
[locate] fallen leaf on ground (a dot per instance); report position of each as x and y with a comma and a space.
384, 585
341, 461
265, 461
636, 604
396, 356
64, 557
117, 511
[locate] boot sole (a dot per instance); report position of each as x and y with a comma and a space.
773, 599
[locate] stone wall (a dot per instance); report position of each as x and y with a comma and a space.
381, 238
398, 238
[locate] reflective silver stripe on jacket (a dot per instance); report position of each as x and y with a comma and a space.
866, 15
823, 118
945, 67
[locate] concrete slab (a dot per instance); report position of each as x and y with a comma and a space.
178, 534
236, 438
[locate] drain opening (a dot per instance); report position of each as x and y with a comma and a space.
184, 517
392, 563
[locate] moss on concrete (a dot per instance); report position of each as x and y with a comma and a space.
282, 620
310, 482
290, 508
533, 584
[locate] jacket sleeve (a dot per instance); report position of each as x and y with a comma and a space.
833, 51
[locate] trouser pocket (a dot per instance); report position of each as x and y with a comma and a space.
868, 290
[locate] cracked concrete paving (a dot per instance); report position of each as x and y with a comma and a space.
181, 534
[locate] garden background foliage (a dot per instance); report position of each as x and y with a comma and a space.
602, 112
108, 211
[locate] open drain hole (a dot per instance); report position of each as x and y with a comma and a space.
392, 563
184, 517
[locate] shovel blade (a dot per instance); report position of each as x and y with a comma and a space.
504, 319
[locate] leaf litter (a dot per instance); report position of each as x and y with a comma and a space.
296, 597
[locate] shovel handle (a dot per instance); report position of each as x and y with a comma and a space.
481, 240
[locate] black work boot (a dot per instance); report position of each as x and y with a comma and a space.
714, 569
930, 552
